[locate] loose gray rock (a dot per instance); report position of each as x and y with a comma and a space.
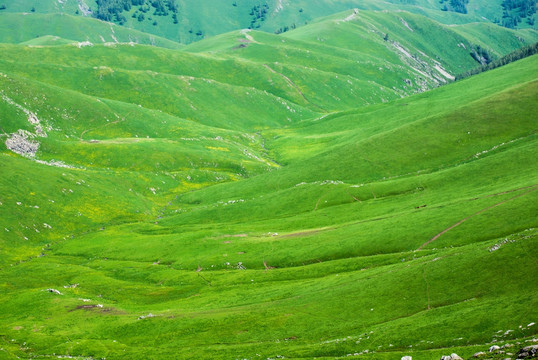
528, 352
150, 315
479, 354
19, 143
407, 358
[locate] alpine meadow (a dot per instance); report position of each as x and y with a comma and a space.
268, 179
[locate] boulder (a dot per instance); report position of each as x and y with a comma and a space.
455, 356
479, 354
528, 352
494, 348
407, 358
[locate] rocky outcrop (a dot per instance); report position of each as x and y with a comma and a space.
528, 352
21, 144
452, 356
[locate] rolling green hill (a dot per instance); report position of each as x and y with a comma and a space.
340, 246
325, 192
189, 21
37, 29
312, 194
323, 67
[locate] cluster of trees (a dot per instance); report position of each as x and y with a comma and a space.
507, 59
285, 28
198, 33
459, 6
514, 11
259, 14
111, 10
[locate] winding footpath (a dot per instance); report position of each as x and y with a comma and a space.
532, 188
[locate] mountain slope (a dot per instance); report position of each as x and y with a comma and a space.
312, 194
370, 230
295, 73
189, 21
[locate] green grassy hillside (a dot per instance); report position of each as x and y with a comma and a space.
181, 205
32, 28
190, 21
324, 67
328, 192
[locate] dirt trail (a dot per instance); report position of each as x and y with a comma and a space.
533, 188
248, 37
350, 17
303, 233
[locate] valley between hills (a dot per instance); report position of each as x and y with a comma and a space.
361, 185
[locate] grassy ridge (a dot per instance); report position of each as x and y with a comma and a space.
34, 29
324, 67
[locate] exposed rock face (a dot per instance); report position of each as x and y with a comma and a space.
452, 356
19, 143
455, 356
528, 352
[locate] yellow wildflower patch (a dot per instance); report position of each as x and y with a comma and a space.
218, 148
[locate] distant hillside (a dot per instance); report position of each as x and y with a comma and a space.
48, 40
188, 21
18, 28
399, 51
